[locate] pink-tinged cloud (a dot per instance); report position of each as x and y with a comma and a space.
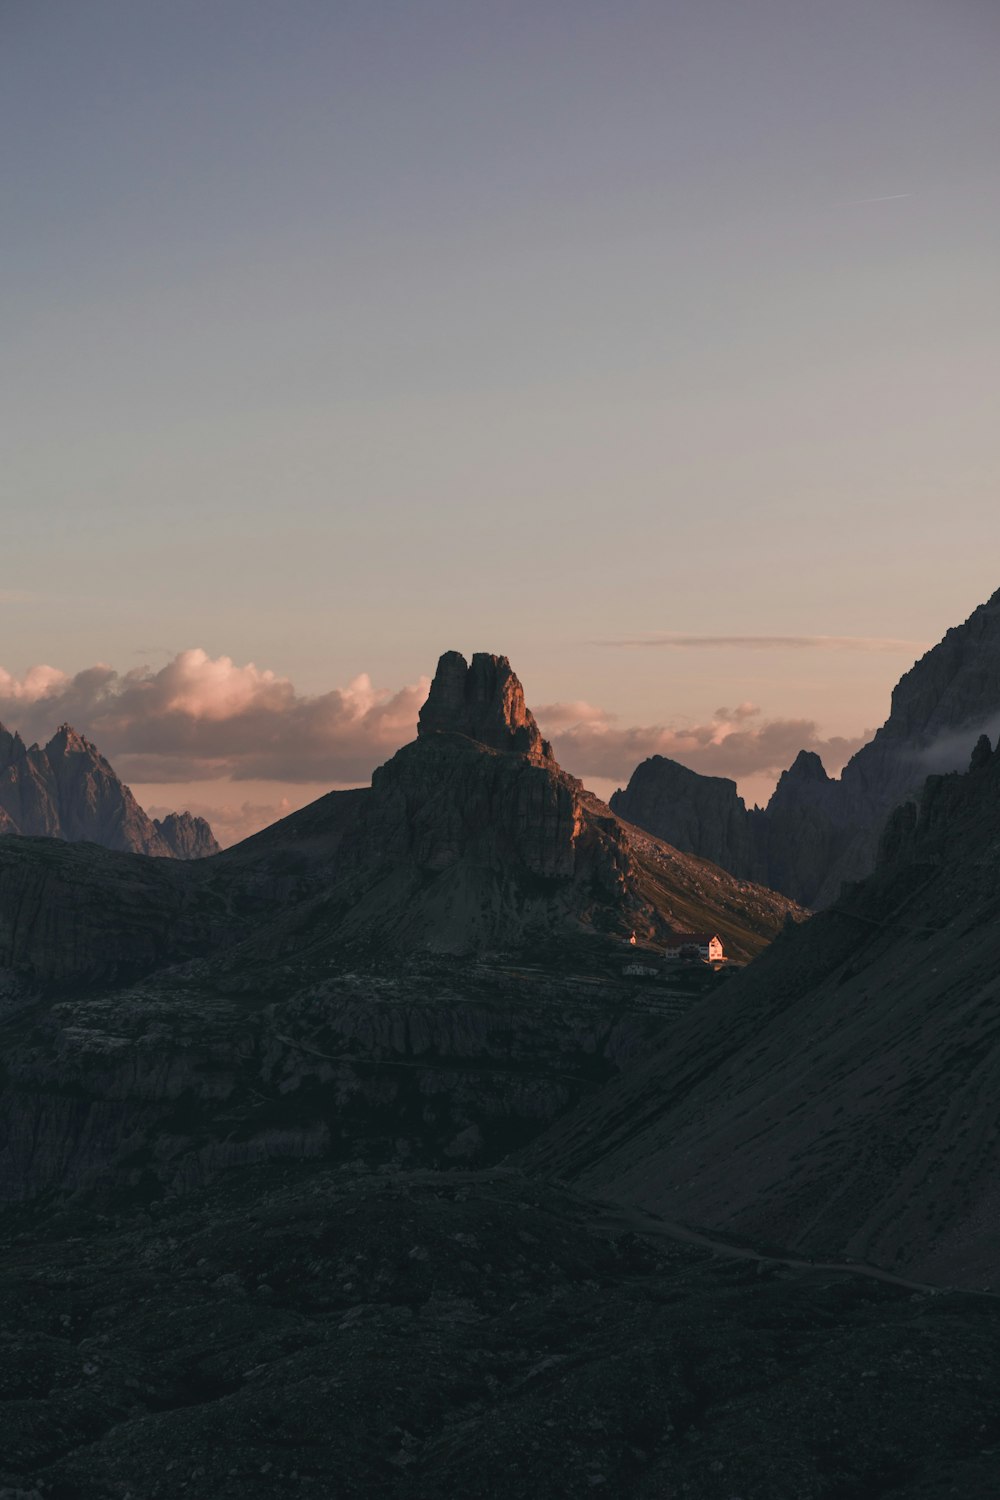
589, 742
202, 718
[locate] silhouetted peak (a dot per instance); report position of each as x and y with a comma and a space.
807, 766
804, 784
982, 753
483, 701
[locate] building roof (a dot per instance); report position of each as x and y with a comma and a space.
702, 938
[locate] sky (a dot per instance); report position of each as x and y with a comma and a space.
655, 346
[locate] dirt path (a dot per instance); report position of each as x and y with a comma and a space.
624, 1220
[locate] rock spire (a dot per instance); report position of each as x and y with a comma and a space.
485, 702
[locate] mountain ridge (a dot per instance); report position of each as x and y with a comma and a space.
67, 790
818, 831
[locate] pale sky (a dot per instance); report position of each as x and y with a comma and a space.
337, 335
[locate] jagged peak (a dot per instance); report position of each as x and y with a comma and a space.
484, 701
67, 740
187, 835
807, 766
982, 753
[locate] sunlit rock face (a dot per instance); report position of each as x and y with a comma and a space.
485, 702
67, 790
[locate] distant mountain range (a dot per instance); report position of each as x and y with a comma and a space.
67, 790
817, 832
471, 838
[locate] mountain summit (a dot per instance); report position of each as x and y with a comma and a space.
474, 837
67, 790
485, 702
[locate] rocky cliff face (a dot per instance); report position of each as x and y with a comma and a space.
67, 790
702, 815
483, 701
473, 836
186, 836
817, 832
841, 1098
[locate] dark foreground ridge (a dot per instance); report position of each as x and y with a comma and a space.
302, 1331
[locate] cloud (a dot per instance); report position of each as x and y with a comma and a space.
775, 643
589, 742
204, 719
952, 748
201, 718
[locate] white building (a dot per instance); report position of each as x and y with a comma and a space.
704, 945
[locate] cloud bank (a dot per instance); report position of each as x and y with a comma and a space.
735, 742
201, 719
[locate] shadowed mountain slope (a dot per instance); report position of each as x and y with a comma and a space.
840, 1096
467, 842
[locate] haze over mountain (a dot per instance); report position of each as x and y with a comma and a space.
67, 790
816, 831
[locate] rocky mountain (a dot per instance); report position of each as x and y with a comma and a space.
484, 701
186, 836
458, 847
817, 832
278, 1129
474, 837
67, 790
840, 1099
218, 979
702, 815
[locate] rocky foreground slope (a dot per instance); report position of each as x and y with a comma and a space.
817, 832
841, 1096
67, 790
303, 1331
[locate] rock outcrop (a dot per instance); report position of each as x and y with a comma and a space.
841, 1098
67, 790
473, 836
702, 815
483, 701
186, 836
817, 832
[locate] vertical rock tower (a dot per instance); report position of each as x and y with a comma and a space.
485, 702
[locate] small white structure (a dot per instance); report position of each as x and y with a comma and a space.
635, 967
704, 945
